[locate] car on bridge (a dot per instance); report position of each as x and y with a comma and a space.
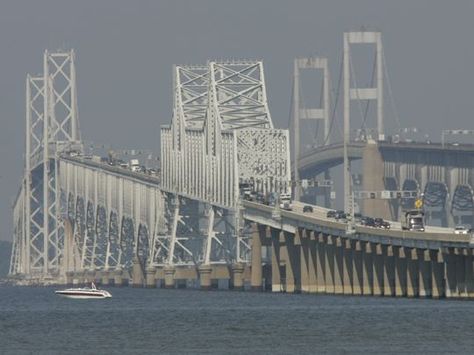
462, 229
367, 221
331, 214
307, 209
380, 223
340, 215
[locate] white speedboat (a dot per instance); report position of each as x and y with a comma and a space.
84, 292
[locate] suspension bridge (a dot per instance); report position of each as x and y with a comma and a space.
80, 218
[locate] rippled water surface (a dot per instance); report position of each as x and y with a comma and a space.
35, 320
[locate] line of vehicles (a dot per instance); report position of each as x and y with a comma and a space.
359, 219
132, 165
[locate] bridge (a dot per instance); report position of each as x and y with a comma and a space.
80, 218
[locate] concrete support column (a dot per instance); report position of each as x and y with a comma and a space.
469, 274
329, 264
460, 272
118, 280
276, 274
137, 273
378, 272
412, 272
312, 260
400, 272
320, 260
357, 270
98, 278
237, 276
437, 274
304, 259
105, 278
205, 276
78, 279
338, 267
367, 269
256, 254
89, 276
424, 273
69, 278
451, 282
388, 271
292, 264
169, 271
150, 277
347, 266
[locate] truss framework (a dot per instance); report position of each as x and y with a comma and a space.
51, 126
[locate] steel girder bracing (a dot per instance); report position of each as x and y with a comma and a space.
213, 132
51, 127
221, 134
199, 233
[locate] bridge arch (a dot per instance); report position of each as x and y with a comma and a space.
462, 204
409, 185
435, 196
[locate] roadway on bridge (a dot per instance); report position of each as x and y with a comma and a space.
321, 213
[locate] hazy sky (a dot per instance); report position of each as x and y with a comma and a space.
125, 51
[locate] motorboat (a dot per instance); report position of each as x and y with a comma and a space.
84, 293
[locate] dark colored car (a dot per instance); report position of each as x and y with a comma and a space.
307, 209
367, 221
331, 214
340, 215
380, 223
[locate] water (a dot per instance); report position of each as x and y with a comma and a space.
138, 321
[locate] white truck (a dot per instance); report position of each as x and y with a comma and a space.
285, 201
134, 165
412, 220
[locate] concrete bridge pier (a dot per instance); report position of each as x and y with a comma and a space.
238, 276
301, 239
205, 276
288, 253
400, 260
276, 270
169, 271
469, 274
118, 279
311, 253
256, 258
377, 270
388, 271
138, 278
329, 268
338, 267
89, 277
367, 269
150, 277
460, 273
424, 276
451, 279
69, 278
105, 278
357, 268
320, 261
78, 278
412, 272
347, 272
437, 274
